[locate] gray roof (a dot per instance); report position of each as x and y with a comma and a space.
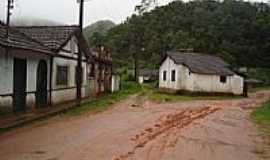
19, 40
201, 63
53, 37
148, 72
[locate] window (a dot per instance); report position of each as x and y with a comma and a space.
164, 75
62, 75
173, 76
223, 79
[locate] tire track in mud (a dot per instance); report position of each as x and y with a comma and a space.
164, 125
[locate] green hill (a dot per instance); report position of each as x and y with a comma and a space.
100, 27
238, 31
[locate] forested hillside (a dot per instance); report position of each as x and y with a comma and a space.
238, 31
97, 31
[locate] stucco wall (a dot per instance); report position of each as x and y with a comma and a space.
6, 81
6, 72
168, 65
115, 83
67, 92
141, 79
186, 80
211, 83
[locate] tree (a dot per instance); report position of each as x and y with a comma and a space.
238, 31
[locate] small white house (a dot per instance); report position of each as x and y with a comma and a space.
38, 66
146, 75
195, 72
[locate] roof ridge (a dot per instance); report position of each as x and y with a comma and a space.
52, 32
195, 53
200, 61
29, 38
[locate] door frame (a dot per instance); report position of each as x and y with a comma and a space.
24, 93
42, 91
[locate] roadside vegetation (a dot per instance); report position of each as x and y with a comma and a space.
262, 114
152, 93
259, 88
102, 103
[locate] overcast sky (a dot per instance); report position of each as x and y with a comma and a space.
66, 11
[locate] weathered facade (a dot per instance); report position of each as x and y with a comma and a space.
40, 66
100, 71
198, 73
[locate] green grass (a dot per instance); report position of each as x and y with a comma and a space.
262, 114
104, 102
260, 88
153, 94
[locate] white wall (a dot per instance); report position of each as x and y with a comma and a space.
141, 79
6, 79
115, 83
168, 65
68, 91
6, 72
185, 80
211, 83
6, 69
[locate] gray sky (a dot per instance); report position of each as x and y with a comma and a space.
66, 11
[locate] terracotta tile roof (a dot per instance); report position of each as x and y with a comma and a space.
201, 63
19, 40
53, 37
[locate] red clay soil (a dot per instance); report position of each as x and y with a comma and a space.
190, 130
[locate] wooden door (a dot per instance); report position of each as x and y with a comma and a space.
19, 85
41, 92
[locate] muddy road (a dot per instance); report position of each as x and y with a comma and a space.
186, 130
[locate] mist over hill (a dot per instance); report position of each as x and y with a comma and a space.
29, 21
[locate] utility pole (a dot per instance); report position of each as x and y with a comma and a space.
9, 7
79, 65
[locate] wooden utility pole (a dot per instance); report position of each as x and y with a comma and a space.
79, 65
9, 7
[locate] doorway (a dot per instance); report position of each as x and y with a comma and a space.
41, 92
19, 85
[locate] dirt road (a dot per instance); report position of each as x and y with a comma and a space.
190, 130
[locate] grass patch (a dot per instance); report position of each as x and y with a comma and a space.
104, 102
260, 88
155, 95
262, 114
